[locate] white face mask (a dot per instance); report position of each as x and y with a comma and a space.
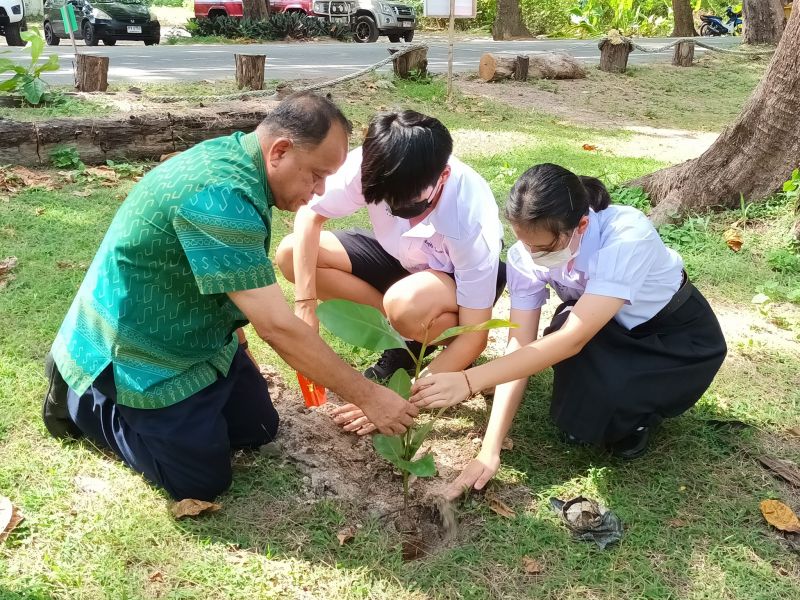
550, 260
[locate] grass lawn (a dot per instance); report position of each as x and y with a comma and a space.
94, 529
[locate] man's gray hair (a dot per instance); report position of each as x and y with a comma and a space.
305, 118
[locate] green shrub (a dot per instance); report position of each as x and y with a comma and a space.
279, 26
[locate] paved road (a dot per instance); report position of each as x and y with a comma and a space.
135, 62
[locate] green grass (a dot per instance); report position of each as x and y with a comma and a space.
60, 106
705, 97
693, 529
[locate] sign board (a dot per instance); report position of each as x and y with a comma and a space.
440, 9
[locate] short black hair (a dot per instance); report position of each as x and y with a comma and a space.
305, 118
403, 153
553, 197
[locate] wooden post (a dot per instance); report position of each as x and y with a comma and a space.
614, 51
416, 60
250, 71
92, 73
684, 54
451, 35
521, 71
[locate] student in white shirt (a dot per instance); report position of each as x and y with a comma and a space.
633, 341
432, 259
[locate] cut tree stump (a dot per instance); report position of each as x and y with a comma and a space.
614, 51
91, 73
250, 71
145, 136
553, 65
521, 70
684, 54
411, 62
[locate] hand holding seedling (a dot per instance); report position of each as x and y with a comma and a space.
440, 390
387, 412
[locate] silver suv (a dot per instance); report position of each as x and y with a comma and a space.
370, 19
12, 21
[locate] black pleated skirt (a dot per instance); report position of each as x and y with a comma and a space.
623, 379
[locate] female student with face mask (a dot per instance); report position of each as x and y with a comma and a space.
632, 342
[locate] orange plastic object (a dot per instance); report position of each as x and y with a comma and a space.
313, 394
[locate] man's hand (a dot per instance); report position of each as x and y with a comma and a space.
383, 411
476, 474
307, 311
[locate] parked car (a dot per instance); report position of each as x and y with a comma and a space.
233, 8
371, 19
106, 20
12, 21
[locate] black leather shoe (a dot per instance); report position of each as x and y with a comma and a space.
393, 359
54, 407
635, 445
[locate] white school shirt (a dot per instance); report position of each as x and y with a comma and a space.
621, 256
462, 235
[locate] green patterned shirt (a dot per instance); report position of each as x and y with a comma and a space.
154, 299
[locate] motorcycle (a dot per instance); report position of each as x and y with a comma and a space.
714, 25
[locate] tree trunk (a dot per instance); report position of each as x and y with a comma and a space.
415, 61
684, 19
684, 27
91, 73
684, 54
763, 21
614, 57
753, 157
508, 21
250, 71
255, 10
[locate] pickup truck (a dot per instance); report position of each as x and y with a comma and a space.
233, 8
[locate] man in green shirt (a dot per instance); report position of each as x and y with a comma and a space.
150, 360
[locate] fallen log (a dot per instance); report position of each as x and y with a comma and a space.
552, 65
144, 136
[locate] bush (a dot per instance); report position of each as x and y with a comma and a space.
279, 26
173, 3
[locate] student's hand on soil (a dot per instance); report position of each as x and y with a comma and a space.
439, 390
476, 474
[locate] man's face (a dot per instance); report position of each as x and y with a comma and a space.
296, 173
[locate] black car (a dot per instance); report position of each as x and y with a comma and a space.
102, 20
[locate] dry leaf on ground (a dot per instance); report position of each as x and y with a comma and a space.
156, 576
780, 516
10, 517
794, 431
103, 172
346, 534
677, 523
589, 147
499, 507
15, 179
508, 444
733, 237
531, 565
82, 193
39, 212
785, 469
6, 266
189, 507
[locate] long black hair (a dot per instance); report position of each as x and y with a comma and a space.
403, 154
553, 197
